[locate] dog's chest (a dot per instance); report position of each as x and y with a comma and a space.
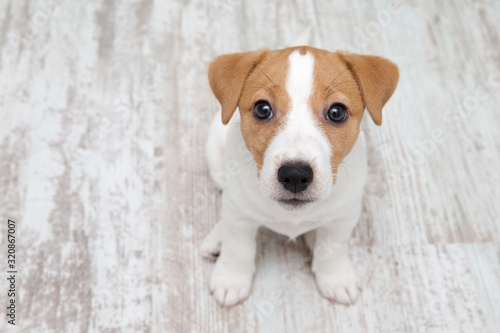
293, 229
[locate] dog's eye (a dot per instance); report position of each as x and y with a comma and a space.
337, 113
262, 110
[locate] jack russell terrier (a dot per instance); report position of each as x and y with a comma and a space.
291, 159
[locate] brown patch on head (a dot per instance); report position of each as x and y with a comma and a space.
377, 79
335, 83
302, 50
356, 81
267, 82
242, 80
227, 75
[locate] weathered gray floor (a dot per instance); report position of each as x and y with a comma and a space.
104, 110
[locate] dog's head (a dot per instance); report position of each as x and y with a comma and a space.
300, 110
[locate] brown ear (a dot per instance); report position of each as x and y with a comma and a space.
377, 79
227, 74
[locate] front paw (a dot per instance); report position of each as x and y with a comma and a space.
342, 286
229, 286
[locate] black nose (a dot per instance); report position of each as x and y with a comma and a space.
295, 177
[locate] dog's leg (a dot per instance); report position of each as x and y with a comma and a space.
210, 248
310, 239
336, 277
231, 279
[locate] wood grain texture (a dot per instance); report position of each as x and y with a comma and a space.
104, 111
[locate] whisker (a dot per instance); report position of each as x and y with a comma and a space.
336, 168
348, 81
367, 134
274, 84
260, 85
345, 169
336, 78
234, 124
331, 90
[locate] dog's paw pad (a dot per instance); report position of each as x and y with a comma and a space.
230, 289
341, 288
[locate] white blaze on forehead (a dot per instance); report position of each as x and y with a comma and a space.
301, 129
300, 80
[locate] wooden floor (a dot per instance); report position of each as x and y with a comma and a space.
104, 108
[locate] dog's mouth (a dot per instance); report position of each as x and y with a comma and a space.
294, 202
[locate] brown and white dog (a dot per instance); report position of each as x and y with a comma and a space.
278, 159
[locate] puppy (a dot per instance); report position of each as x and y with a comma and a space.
291, 159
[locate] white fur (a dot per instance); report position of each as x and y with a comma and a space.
214, 151
248, 203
